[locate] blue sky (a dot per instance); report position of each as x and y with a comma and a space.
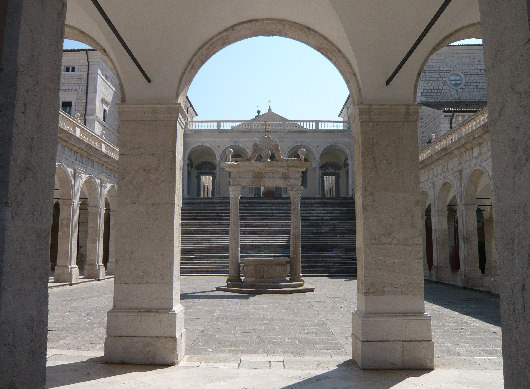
235, 82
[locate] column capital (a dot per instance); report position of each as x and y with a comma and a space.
150, 112
235, 191
386, 113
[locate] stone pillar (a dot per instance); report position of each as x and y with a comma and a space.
94, 267
351, 185
111, 264
146, 322
217, 179
390, 327
296, 235
317, 174
472, 274
234, 246
66, 269
31, 52
505, 31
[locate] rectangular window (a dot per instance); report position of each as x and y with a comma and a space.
66, 106
69, 69
105, 110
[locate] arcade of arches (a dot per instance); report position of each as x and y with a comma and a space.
146, 322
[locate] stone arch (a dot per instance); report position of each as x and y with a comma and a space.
447, 229
87, 226
310, 179
270, 27
201, 171
89, 188
479, 226
74, 33
308, 148
109, 228
64, 183
334, 160
224, 176
427, 232
111, 195
473, 30
60, 227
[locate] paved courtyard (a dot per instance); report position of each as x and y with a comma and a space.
300, 331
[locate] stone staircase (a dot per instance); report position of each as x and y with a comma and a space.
328, 234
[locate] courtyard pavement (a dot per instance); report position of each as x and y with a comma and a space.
273, 341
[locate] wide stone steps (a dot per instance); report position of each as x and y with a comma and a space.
328, 234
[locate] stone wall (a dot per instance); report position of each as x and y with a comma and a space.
103, 88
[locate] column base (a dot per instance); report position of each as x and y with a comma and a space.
296, 279
392, 341
95, 271
68, 274
145, 337
111, 268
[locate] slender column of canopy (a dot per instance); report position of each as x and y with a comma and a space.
146, 322
66, 269
234, 248
296, 235
390, 327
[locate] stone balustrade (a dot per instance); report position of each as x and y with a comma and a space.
249, 125
456, 133
69, 124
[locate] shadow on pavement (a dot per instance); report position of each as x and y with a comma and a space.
477, 304
348, 375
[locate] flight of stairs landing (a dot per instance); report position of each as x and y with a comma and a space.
328, 234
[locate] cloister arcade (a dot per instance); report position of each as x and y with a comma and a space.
329, 173
83, 229
146, 323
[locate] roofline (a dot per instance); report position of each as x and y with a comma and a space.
77, 50
191, 105
344, 105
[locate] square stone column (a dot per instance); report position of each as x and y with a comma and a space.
234, 270
506, 32
66, 269
390, 327
296, 235
94, 267
30, 55
146, 322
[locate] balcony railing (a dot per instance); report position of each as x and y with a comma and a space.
249, 125
69, 124
456, 133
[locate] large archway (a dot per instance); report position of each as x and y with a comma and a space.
270, 27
